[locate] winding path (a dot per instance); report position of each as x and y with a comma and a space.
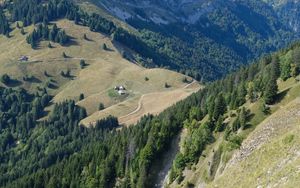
140, 104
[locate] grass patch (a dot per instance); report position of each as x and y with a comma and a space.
216, 162
288, 139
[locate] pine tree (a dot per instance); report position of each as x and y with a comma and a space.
101, 107
17, 25
22, 31
46, 74
243, 118
5, 79
275, 67
220, 107
270, 91
167, 85
294, 70
104, 47
219, 124
64, 55
236, 125
82, 64
285, 71
251, 92
81, 96
85, 37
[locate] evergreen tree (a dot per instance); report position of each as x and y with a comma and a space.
64, 55
243, 118
251, 92
82, 64
219, 124
85, 37
49, 45
101, 107
220, 107
4, 25
22, 31
275, 67
270, 91
17, 25
236, 124
285, 71
5, 79
294, 70
81, 96
167, 85
104, 47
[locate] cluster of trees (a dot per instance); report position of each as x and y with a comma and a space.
42, 32
60, 152
97, 23
135, 43
18, 114
36, 11
4, 25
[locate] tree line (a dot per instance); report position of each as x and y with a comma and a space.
42, 32
4, 25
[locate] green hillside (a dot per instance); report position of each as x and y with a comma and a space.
208, 39
71, 77
257, 144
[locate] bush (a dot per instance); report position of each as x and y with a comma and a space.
167, 85
5, 79
104, 47
82, 64
81, 96
265, 109
288, 139
101, 107
235, 141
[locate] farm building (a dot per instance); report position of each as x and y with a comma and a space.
120, 89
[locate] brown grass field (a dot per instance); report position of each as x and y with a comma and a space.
96, 81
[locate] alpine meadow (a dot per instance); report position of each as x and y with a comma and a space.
148, 93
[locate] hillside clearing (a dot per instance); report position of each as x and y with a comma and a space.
130, 111
105, 69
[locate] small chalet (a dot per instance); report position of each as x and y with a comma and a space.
120, 89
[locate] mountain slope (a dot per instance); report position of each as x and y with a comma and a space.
270, 155
212, 36
55, 76
262, 151
105, 70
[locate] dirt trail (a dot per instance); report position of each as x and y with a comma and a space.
124, 119
143, 96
